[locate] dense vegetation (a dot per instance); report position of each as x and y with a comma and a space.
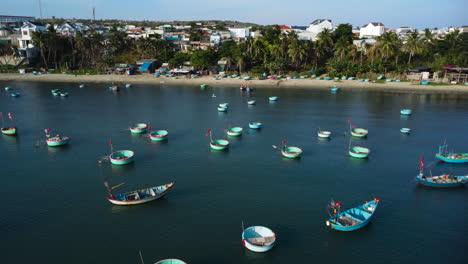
275, 52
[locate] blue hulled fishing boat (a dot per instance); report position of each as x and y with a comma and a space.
352, 219
444, 180
446, 156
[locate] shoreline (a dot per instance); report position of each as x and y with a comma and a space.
405, 87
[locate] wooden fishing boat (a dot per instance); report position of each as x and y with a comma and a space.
334, 89
139, 128
170, 261
219, 144
128, 85
258, 238
359, 132
445, 180
57, 141
445, 156
222, 109
273, 98
121, 157
8, 88
405, 130
9, 131
203, 86
235, 131
140, 196
352, 219
159, 135
359, 152
63, 94
255, 125
251, 102
324, 134
15, 94
406, 111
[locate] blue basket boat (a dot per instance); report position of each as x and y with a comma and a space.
255, 125
273, 98
334, 89
258, 238
406, 111
405, 130
352, 219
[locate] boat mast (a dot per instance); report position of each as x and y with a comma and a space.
243, 226
141, 257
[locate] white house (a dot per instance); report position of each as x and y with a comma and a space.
372, 30
319, 25
215, 39
26, 48
70, 29
239, 32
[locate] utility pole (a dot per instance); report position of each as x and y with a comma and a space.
94, 13
40, 8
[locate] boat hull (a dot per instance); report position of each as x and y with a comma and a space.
273, 98
291, 152
170, 261
138, 128
359, 152
235, 132
159, 135
219, 144
357, 210
359, 132
141, 201
255, 125
54, 143
9, 131
445, 159
324, 134
258, 232
430, 183
125, 158
406, 112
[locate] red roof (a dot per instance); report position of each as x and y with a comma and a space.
284, 27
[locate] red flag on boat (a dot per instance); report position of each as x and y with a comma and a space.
421, 160
337, 204
9, 116
148, 128
47, 130
207, 135
283, 142
209, 130
106, 184
349, 121
110, 142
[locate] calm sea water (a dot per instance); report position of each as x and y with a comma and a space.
54, 208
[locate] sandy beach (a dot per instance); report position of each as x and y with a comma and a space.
230, 82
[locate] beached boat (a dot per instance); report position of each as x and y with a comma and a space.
9, 131
235, 131
159, 135
406, 111
202, 86
323, 134
359, 152
255, 125
359, 132
352, 219
139, 128
425, 82
128, 85
121, 157
258, 238
445, 180
334, 89
405, 130
273, 98
63, 94
251, 102
139, 196
15, 94
170, 261
445, 156
57, 141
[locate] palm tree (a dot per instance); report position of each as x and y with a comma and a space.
341, 47
297, 52
413, 45
388, 44
39, 40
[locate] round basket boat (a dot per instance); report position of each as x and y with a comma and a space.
9, 131
54, 91
334, 89
128, 85
405, 130
225, 105
171, 261
121, 157
219, 144
222, 109
138, 128
235, 131
406, 111
82, 86
63, 94
258, 238
251, 102
255, 125
359, 132
58, 141
291, 152
324, 134
159, 135
273, 98
359, 152
202, 86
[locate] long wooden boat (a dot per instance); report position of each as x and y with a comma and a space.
139, 128
406, 111
445, 180
235, 131
258, 238
9, 131
445, 156
219, 144
359, 152
170, 261
159, 135
57, 141
324, 134
121, 157
140, 196
352, 219
273, 98
359, 132
255, 125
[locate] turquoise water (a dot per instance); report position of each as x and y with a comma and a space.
54, 201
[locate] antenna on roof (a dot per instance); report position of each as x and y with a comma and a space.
40, 8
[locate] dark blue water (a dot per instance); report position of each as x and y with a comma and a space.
54, 208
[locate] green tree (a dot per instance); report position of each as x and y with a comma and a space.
413, 45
